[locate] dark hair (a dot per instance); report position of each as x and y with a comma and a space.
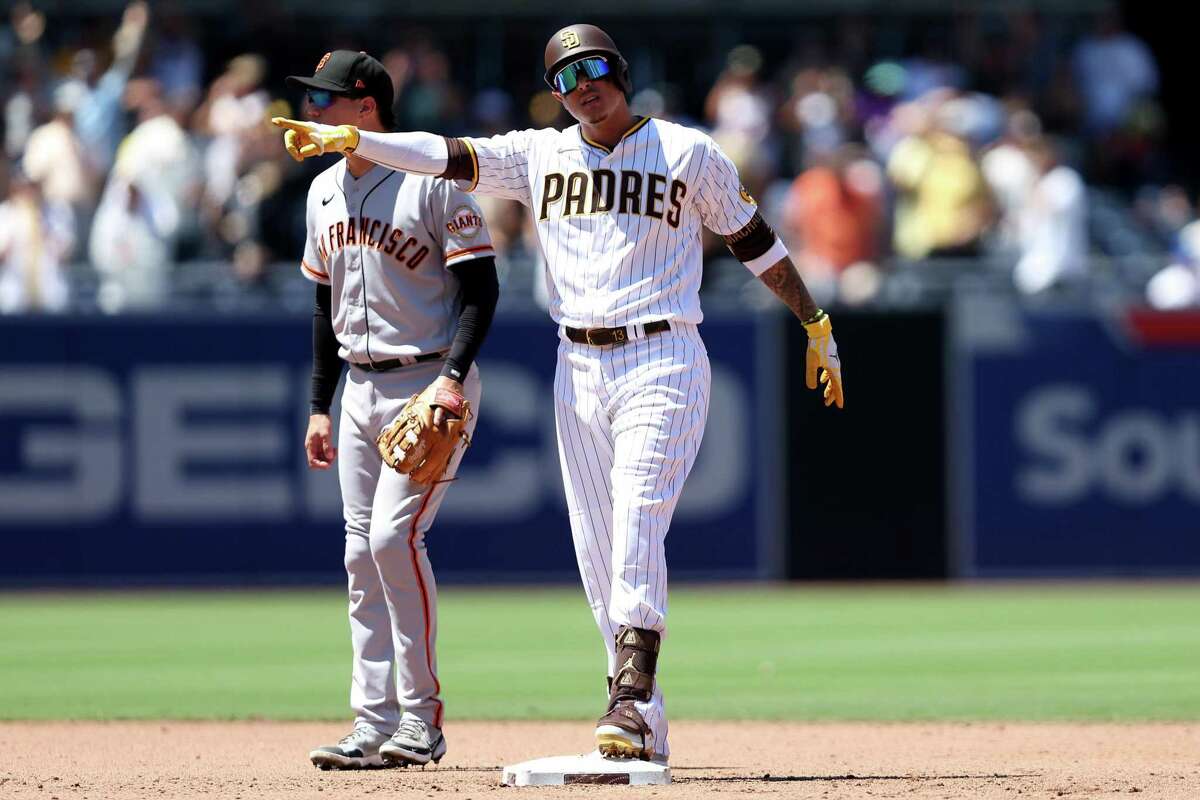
387, 113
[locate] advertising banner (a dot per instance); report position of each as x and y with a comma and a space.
149, 449
1077, 442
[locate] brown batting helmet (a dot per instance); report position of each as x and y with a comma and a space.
579, 41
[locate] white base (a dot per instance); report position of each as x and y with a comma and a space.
587, 768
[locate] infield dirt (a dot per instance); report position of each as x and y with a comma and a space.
267, 760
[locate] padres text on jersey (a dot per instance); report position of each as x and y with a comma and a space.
619, 227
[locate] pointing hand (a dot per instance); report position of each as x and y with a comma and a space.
307, 139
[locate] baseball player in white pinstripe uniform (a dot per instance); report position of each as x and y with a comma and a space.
619, 202
406, 289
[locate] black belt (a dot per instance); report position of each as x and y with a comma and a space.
602, 336
396, 363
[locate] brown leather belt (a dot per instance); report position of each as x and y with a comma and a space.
598, 337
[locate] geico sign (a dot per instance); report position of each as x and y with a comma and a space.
1136, 456
223, 442
183, 443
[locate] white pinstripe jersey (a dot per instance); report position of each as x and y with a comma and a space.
620, 228
383, 242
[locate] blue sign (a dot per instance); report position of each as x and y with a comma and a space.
171, 449
1079, 446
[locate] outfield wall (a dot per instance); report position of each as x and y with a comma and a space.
992, 441
866, 484
1076, 441
998, 439
165, 449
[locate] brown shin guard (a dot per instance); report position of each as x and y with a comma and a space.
636, 662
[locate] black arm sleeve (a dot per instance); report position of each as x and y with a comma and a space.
752, 240
480, 291
327, 367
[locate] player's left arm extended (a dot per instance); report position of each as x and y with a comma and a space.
822, 355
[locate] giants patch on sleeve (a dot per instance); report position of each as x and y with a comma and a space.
465, 223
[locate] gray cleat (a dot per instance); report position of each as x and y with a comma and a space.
414, 742
359, 750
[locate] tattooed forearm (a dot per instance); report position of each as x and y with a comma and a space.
785, 282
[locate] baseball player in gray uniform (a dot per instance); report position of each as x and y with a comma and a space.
406, 290
619, 203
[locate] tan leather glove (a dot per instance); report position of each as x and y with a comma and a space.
413, 445
307, 139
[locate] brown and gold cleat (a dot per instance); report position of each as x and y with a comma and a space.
615, 745
622, 732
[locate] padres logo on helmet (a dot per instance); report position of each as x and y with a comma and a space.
578, 41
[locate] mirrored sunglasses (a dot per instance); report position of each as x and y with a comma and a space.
321, 98
569, 76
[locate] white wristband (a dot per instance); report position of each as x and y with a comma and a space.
758, 266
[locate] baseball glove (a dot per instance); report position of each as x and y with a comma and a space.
414, 446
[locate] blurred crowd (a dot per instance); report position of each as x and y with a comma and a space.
984, 148
135, 169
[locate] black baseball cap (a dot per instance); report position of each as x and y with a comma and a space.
354, 74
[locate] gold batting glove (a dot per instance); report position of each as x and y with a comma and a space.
307, 139
823, 355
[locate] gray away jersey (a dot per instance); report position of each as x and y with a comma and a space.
620, 229
383, 242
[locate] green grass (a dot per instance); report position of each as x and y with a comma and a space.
1021, 652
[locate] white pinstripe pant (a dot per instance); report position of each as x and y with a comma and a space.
630, 419
393, 597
